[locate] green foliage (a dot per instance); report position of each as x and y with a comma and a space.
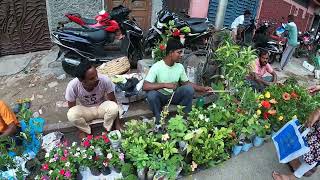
127, 169
177, 128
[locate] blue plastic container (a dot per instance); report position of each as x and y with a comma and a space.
246, 147
258, 141
236, 150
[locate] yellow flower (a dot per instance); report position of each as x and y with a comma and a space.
280, 118
259, 105
258, 112
266, 127
267, 95
294, 117
261, 96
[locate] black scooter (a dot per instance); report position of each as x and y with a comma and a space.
196, 39
97, 45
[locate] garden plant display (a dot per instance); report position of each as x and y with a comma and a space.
204, 137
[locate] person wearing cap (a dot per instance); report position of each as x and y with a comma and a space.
240, 20
167, 76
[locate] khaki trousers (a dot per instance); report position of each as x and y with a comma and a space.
80, 115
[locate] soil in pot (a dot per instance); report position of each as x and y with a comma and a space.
105, 171
95, 171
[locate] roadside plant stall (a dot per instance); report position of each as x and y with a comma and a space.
206, 137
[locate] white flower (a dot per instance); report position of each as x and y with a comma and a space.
92, 147
165, 137
83, 151
47, 155
206, 119
52, 160
109, 155
90, 157
201, 116
74, 144
50, 172
77, 154
84, 156
69, 148
37, 177
67, 164
213, 105
78, 149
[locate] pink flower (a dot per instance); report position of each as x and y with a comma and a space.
44, 178
65, 143
62, 171
121, 156
45, 167
67, 174
86, 143
89, 137
65, 152
63, 158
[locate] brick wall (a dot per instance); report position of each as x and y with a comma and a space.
276, 9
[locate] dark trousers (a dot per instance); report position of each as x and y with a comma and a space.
183, 96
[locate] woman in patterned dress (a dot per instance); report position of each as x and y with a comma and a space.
306, 164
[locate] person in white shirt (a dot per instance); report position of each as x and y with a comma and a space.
240, 20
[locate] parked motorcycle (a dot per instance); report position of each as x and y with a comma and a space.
273, 43
97, 45
194, 38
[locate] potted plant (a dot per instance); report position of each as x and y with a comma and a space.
127, 169
115, 139
116, 160
177, 129
262, 128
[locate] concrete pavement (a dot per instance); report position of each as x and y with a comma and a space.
257, 164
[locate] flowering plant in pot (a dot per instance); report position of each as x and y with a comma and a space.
116, 159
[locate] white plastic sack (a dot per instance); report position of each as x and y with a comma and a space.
289, 142
51, 140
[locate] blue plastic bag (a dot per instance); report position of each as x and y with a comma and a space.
289, 142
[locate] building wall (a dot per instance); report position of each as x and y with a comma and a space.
57, 8
276, 9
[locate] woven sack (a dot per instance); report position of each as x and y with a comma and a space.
115, 67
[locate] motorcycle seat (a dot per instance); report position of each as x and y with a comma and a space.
93, 35
199, 28
192, 21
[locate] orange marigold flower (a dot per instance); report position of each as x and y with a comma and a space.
286, 96
272, 112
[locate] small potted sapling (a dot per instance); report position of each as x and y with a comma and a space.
141, 163
177, 129
261, 132
115, 139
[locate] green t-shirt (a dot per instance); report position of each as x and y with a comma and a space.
293, 34
160, 72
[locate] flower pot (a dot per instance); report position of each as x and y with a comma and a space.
117, 170
141, 174
183, 147
150, 174
105, 171
95, 171
160, 175
79, 176
236, 150
115, 143
258, 141
247, 146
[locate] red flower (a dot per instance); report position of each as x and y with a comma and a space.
97, 137
286, 96
105, 138
266, 104
86, 143
294, 95
62, 172
45, 167
89, 137
63, 158
162, 47
265, 115
96, 158
176, 32
239, 110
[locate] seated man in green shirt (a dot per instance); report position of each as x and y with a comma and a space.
168, 76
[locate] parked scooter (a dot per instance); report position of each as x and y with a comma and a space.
97, 45
273, 43
195, 38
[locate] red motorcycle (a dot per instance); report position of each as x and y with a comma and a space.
101, 21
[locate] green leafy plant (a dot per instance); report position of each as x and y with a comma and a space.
177, 128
